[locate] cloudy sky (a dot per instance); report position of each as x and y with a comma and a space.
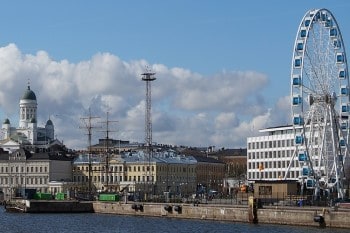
223, 70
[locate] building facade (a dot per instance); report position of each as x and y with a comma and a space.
210, 174
25, 170
135, 172
235, 161
271, 155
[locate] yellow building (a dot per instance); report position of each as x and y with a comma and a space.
136, 173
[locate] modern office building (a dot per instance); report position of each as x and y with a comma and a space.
270, 155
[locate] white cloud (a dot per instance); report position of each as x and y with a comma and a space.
187, 108
226, 90
225, 120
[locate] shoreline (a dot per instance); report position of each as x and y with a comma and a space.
324, 217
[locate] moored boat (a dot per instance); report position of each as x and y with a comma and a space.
15, 207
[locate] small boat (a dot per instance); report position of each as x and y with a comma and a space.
14, 208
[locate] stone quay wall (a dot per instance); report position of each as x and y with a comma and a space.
318, 217
58, 207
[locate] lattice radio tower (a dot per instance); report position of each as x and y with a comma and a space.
148, 77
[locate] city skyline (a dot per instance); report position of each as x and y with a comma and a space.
223, 70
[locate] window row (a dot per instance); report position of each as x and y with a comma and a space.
22, 169
273, 175
111, 178
271, 144
115, 179
139, 168
270, 154
99, 168
15, 181
271, 164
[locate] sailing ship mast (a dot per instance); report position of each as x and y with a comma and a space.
89, 126
107, 142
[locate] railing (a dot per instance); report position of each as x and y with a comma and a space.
239, 198
285, 199
278, 199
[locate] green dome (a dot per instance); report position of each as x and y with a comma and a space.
49, 122
29, 94
6, 121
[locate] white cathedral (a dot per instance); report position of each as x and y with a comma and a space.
27, 134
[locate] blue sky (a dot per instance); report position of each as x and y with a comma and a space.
223, 67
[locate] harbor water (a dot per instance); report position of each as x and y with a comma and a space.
105, 223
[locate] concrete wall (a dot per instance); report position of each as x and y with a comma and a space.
275, 215
297, 216
290, 216
188, 211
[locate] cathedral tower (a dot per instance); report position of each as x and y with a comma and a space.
27, 108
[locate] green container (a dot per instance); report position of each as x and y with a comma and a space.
108, 197
42, 196
59, 196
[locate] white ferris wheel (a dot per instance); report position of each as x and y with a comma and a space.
320, 103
